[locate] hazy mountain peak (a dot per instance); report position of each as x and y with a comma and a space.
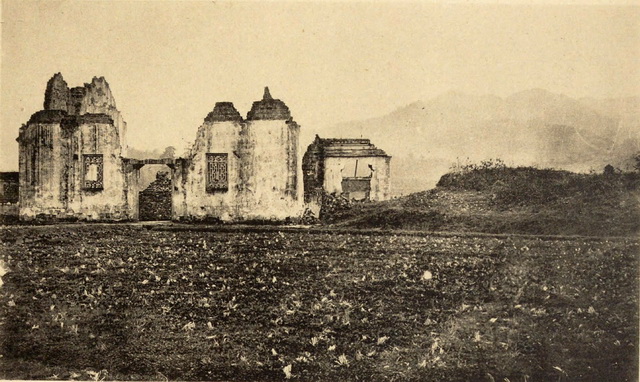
538, 95
531, 127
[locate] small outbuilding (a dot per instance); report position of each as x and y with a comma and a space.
353, 168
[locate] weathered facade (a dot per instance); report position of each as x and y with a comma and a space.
73, 164
353, 168
70, 155
242, 169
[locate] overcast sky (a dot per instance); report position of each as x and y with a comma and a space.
168, 62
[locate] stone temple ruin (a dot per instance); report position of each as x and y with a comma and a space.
73, 164
354, 168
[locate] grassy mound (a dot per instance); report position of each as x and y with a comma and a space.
522, 200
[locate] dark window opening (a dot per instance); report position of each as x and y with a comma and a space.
356, 188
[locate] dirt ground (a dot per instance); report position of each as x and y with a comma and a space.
140, 302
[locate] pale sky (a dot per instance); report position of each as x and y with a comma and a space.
169, 62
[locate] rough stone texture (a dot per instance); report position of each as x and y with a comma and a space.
56, 96
222, 112
52, 148
345, 166
9, 196
256, 171
76, 98
264, 177
155, 200
47, 116
133, 180
268, 109
191, 200
61, 117
9, 187
92, 98
9, 212
52, 176
276, 184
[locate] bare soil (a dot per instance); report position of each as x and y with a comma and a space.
136, 302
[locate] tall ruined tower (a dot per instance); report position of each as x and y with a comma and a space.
277, 174
242, 169
70, 155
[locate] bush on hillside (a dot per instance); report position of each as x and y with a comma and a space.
529, 186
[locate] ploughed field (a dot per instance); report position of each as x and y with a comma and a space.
129, 302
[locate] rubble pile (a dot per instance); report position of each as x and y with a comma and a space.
155, 200
333, 206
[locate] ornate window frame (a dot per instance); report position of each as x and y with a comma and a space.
217, 172
87, 161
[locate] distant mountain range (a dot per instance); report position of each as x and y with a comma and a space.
533, 127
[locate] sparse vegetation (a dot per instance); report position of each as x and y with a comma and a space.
262, 303
493, 198
124, 302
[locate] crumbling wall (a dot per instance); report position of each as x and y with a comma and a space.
191, 199
155, 200
52, 175
91, 98
131, 173
276, 187
9, 187
40, 171
264, 179
313, 173
330, 164
54, 145
9, 196
108, 203
56, 96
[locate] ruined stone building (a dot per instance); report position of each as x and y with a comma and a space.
71, 155
354, 168
73, 164
242, 169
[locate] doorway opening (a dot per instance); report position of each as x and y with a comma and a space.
154, 202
